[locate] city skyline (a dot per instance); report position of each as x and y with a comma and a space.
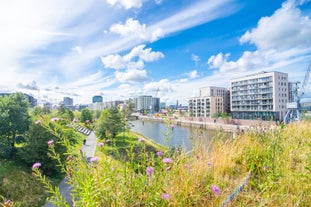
122, 49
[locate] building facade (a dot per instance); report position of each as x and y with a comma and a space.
97, 99
146, 103
260, 96
211, 101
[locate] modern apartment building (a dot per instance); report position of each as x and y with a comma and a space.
146, 103
211, 101
260, 96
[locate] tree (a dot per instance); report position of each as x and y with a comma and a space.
110, 122
86, 114
14, 119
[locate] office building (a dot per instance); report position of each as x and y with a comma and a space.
260, 96
97, 99
146, 103
68, 103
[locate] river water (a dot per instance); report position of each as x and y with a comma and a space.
176, 136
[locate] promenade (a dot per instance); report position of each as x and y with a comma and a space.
88, 149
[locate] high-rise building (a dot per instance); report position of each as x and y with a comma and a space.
147, 103
68, 102
97, 99
260, 96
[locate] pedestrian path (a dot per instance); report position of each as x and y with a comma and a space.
88, 149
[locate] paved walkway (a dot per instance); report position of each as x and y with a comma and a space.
89, 150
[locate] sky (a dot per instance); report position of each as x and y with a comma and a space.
122, 49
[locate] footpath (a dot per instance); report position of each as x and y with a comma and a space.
88, 149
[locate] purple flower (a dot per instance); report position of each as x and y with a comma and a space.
141, 139
215, 190
87, 121
165, 196
94, 159
172, 126
38, 122
100, 144
167, 160
36, 165
8, 203
54, 119
198, 157
50, 142
209, 163
159, 153
149, 171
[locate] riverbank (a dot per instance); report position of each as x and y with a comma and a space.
217, 124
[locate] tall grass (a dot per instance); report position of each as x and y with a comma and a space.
128, 172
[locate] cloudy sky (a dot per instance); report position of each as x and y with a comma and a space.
125, 48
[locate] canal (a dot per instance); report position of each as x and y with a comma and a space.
177, 136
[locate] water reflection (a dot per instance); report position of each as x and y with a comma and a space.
176, 136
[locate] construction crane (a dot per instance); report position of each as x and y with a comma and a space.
294, 107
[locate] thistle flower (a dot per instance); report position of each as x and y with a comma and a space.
172, 126
38, 122
100, 144
149, 171
159, 153
94, 159
55, 119
36, 165
8, 203
215, 190
165, 196
50, 142
167, 160
141, 139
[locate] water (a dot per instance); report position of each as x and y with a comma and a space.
173, 137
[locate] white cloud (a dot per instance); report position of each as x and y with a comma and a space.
143, 54
195, 58
113, 61
193, 74
127, 4
163, 85
282, 37
133, 75
77, 49
134, 29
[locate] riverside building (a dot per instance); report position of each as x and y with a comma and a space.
211, 101
260, 96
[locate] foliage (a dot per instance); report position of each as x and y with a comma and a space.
110, 123
86, 115
14, 119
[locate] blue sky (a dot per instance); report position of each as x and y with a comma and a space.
125, 48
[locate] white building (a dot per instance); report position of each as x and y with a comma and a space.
146, 103
211, 101
260, 96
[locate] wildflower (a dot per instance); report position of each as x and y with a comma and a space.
70, 157
38, 122
172, 126
141, 139
8, 203
100, 144
215, 190
159, 153
198, 157
165, 196
209, 163
149, 171
50, 142
54, 119
87, 121
36, 165
265, 168
94, 159
74, 120
167, 160
186, 165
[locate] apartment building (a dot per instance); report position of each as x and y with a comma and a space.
146, 103
260, 96
211, 101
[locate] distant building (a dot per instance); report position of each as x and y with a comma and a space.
97, 99
146, 103
211, 101
32, 101
68, 103
260, 96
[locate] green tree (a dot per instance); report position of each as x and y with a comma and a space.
14, 119
110, 122
86, 114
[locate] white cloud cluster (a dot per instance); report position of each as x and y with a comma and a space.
134, 29
134, 70
127, 4
279, 38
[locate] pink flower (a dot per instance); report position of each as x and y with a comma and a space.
159, 153
100, 144
265, 168
8, 203
165, 196
167, 160
141, 139
55, 119
94, 159
87, 121
36, 165
38, 122
215, 190
209, 163
50, 142
172, 126
149, 171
